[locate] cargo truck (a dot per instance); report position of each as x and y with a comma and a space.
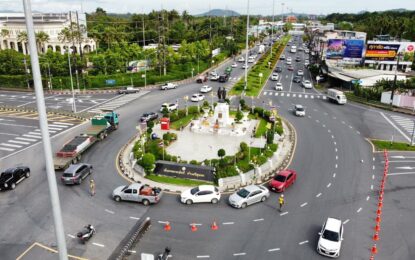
337, 96
71, 152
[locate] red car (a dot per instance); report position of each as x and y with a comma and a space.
290, 67
283, 180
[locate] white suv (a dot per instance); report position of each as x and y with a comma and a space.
170, 107
200, 194
331, 237
275, 76
299, 110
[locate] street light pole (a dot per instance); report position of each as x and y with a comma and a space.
413, 134
272, 26
247, 48
43, 123
70, 74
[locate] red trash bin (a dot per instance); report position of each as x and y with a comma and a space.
165, 123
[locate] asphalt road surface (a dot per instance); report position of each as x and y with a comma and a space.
338, 176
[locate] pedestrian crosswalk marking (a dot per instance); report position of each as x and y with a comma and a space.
11, 145
32, 136
294, 95
18, 142
7, 149
406, 123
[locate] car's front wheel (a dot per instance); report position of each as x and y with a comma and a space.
189, 202
214, 201
146, 202
263, 199
13, 186
117, 198
243, 205
27, 174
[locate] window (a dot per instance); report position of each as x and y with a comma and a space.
194, 190
255, 193
205, 192
128, 191
81, 169
289, 176
134, 191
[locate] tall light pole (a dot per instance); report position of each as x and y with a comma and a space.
413, 134
247, 47
43, 123
272, 26
70, 74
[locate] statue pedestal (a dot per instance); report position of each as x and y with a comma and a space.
221, 115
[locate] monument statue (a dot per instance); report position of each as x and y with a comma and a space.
221, 94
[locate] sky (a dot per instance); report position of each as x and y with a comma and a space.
263, 7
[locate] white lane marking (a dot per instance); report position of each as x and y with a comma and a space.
397, 128
329, 131
374, 158
373, 167
284, 213
373, 177
96, 244
258, 219
163, 222
71, 236
60, 123
350, 126
318, 195
371, 187
35, 133
337, 157
398, 161
358, 132
335, 149
346, 221
405, 167
332, 136
334, 175
303, 242
334, 143
328, 185
273, 249
334, 118
7, 149
228, 223
18, 142
196, 224
135, 218
343, 122
304, 204
55, 128
109, 211
33, 136
11, 145
324, 125
336, 166
400, 173
8, 134
238, 254
367, 198
58, 126
27, 126
360, 209
25, 139
318, 121
203, 256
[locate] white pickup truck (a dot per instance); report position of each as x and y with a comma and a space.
128, 90
168, 86
137, 192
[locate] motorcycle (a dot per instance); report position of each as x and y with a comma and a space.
86, 233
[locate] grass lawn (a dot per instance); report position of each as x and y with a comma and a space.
394, 146
181, 122
175, 181
261, 129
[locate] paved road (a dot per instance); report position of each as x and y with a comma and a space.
337, 178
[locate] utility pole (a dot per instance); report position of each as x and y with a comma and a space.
272, 26
73, 45
144, 45
413, 134
395, 78
50, 76
43, 123
247, 47
26, 70
70, 74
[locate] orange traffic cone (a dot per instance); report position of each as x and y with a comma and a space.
167, 226
372, 257
380, 204
377, 227
214, 226
379, 211
374, 249
376, 236
378, 219
193, 227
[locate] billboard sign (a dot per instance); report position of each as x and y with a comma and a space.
186, 171
345, 49
388, 51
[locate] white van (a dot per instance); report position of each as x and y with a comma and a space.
293, 49
337, 96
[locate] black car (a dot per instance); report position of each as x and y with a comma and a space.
10, 177
297, 59
224, 78
278, 69
148, 117
297, 79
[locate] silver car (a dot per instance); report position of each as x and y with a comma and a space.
76, 173
249, 195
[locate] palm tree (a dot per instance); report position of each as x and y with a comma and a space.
22, 37
41, 38
4, 33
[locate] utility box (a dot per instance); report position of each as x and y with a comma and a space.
165, 123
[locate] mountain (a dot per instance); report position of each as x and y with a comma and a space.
219, 12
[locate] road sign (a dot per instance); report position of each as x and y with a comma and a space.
110, 82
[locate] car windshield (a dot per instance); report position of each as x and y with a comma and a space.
243, 193
194, 190
67, 174
145, 115
330, 235
280, 178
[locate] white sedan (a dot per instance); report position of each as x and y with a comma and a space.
241, 59
307, 84
200, 194
278, 87
197, 97
205, 89
300, 72
234, 65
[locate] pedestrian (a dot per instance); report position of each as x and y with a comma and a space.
281, 201
92, 187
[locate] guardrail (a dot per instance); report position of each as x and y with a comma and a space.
123, 250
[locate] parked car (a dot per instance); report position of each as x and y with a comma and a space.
201, 79
300, 72
76, 173
249, 195
168, 86
224, 78
149, 117
331, 237
283, 180
275, 76
137, 192
197, 97
299, 110
234, 65
297, 79
128, 90
205, 89
11, 177
307, 84
278, 87
170, 107
278, 69
200, 194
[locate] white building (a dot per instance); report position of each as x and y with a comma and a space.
12, 24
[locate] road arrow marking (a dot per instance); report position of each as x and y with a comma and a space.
406, 168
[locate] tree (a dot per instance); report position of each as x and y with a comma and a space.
221, 153
238, 116
270, 136
22, 37
41, 38
147, 162
4, 33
